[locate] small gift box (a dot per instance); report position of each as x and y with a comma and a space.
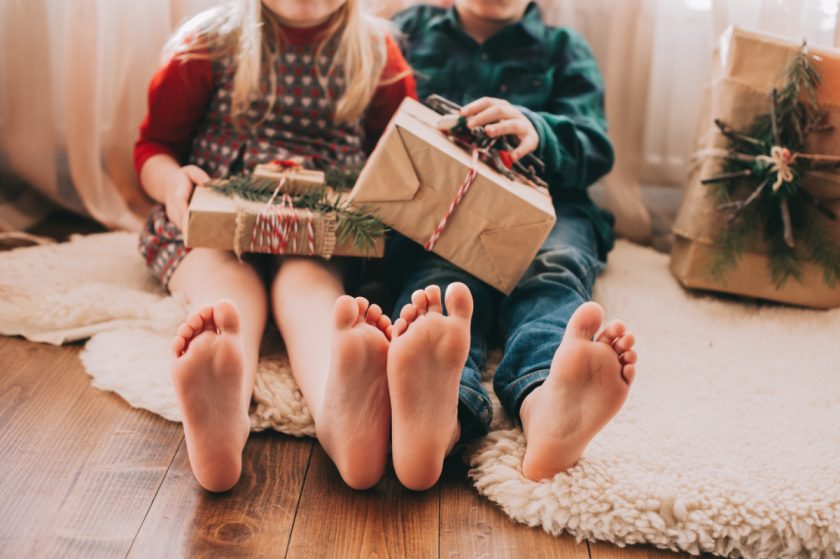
420, 183
280, 210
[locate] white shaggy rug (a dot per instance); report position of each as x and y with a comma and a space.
729, 443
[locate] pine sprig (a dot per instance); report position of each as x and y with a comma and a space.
726, 253
358, 223
822, 250
778, 215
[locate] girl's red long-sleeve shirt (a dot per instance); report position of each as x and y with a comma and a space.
180, 92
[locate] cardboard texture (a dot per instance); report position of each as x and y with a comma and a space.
411, 179
212, 223
748, 65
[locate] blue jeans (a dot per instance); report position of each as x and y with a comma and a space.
531, 320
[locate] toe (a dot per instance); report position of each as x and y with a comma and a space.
459, 301
624, 343
628, 372
226, 316
383, 323
196, 322
185, 331
364, 305
435, 299
345, 312
398, 328
206, 313
373, 314
408, 313
420, 301
615, 329
629, 357
585, 321
179, 344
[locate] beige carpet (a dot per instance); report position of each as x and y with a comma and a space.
728, 444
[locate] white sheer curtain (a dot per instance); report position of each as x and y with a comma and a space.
74, 75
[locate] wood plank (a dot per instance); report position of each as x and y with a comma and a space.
386, 521
474, 527
80, 467
607, 551
254, 519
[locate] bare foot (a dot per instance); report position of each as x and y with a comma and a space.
588, 382
428, 352
209, 378
354, 422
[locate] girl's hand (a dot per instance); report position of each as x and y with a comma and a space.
500, 118
179, 192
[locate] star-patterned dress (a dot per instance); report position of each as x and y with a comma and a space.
190, 119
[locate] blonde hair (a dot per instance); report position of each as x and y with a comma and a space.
236, 31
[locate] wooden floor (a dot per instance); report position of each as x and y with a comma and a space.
83, 474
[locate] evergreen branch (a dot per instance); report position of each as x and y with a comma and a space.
783, 264
822, 250
726, 252
341, 181
359, 223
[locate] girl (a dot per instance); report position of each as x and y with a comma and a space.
245, 84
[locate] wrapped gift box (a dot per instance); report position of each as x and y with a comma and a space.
218, 221
412, 178
747, 67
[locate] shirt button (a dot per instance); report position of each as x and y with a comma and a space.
484, 56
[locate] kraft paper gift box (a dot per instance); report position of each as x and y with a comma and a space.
221, 222
413, 176
746, 68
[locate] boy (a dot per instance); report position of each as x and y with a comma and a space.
518, 77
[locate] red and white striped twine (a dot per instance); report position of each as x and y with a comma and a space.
276, 224
466, 184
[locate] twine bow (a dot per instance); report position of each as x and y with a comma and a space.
780, 161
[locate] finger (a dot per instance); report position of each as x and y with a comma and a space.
181, 216
196, 174
512, 126
526, 145
489, 115
477, 106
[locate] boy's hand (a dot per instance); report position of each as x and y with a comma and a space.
179, 192
500, 118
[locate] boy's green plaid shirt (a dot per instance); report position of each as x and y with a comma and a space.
548, 73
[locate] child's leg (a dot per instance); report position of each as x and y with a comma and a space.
563, 395
217, 349
434, 404
337, 349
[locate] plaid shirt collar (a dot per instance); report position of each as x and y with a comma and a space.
531, 25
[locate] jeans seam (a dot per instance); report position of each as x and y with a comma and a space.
482, 401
